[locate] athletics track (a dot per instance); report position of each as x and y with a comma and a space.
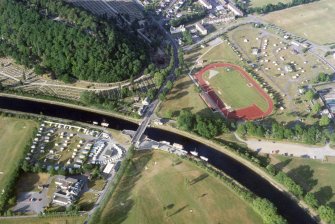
251, 112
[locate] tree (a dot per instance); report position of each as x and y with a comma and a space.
158, 79
324, 121
169, 85
267, 211
316, 108
1, 87
322, 77
151, 93
311, 200
327, 214
185, 120
241, 130
310, 95
187, 37
178, 71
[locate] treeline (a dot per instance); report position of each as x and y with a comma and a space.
125, 163
203, 126
279, 6
309, 134
262, 206
326, 213
188, 18
78, 45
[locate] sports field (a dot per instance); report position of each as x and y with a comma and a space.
234, 89
260, 3
236, 93
153, 190
313, 175
14, 135
314, 21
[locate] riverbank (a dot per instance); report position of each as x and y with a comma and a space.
223, 149
232, 167
113, 114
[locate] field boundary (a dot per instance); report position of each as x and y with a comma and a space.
252, 112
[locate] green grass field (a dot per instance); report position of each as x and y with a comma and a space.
313, 175
314, 21
233, 89
14, 135
154, 191
222, 53
260, 3
183, 96
46, 220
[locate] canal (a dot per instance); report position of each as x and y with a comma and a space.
287, 207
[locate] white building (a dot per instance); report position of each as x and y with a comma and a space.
206, 4
201, 28
180, 29
220, 20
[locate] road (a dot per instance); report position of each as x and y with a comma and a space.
296, 149
151, 108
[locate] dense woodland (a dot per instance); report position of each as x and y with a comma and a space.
55, 37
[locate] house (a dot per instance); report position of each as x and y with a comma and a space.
180, 29
146, 101
255, 51
69, 190
201, 28
65, 182
206, 4
235, 9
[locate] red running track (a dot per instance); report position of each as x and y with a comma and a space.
249, 113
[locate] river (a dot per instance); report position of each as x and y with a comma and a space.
287, 207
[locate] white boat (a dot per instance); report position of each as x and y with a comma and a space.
204, 158
195, 153
104, 124
95, 123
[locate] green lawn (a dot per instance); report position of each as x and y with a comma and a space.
314, 21
260, 3
154, 191
46, 220
233, 89
313, 175
14, 135
222, 53
183, 96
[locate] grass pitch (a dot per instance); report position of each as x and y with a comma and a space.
313, 175
234, 89
154, 191
14, 135
314, 21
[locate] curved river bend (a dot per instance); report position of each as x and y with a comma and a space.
287, 207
